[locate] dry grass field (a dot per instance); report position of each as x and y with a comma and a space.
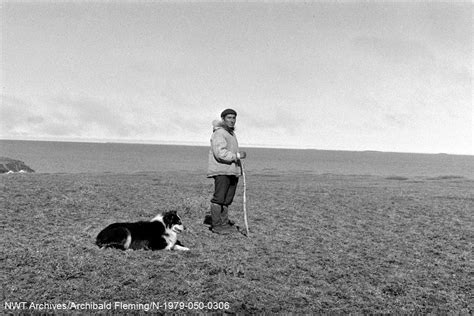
318, 243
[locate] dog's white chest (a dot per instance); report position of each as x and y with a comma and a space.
170, 238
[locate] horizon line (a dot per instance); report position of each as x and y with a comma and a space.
203, 144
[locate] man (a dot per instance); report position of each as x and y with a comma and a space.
224, 167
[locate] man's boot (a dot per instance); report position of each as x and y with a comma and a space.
215, 215
225, 216
218, 226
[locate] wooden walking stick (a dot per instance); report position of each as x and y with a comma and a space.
245, 198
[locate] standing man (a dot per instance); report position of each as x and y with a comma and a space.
224, 167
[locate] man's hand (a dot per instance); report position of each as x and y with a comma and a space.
241, 155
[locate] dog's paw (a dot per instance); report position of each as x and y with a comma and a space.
181, 248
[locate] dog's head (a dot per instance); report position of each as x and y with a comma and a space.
172, 221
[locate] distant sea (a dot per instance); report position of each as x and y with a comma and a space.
75, 157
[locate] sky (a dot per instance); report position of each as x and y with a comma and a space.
348, 75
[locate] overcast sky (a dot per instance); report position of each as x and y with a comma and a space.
355, 75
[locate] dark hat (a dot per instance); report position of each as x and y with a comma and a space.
227, 112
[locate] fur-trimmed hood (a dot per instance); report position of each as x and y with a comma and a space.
216, 124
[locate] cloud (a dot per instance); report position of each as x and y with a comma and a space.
278, 118
86, 113
17, 116
273, 125
62, 117
84, 117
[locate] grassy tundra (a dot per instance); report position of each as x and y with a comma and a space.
319, 243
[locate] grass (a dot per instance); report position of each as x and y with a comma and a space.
319, 243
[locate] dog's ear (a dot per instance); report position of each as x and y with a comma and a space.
169, 214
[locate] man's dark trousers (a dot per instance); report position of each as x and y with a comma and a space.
224, 189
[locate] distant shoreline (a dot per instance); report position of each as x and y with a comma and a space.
80, 157
243, 145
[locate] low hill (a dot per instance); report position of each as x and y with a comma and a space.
12, 165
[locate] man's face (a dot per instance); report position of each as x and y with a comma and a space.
229, 120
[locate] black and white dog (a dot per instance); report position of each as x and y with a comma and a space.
159, 233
